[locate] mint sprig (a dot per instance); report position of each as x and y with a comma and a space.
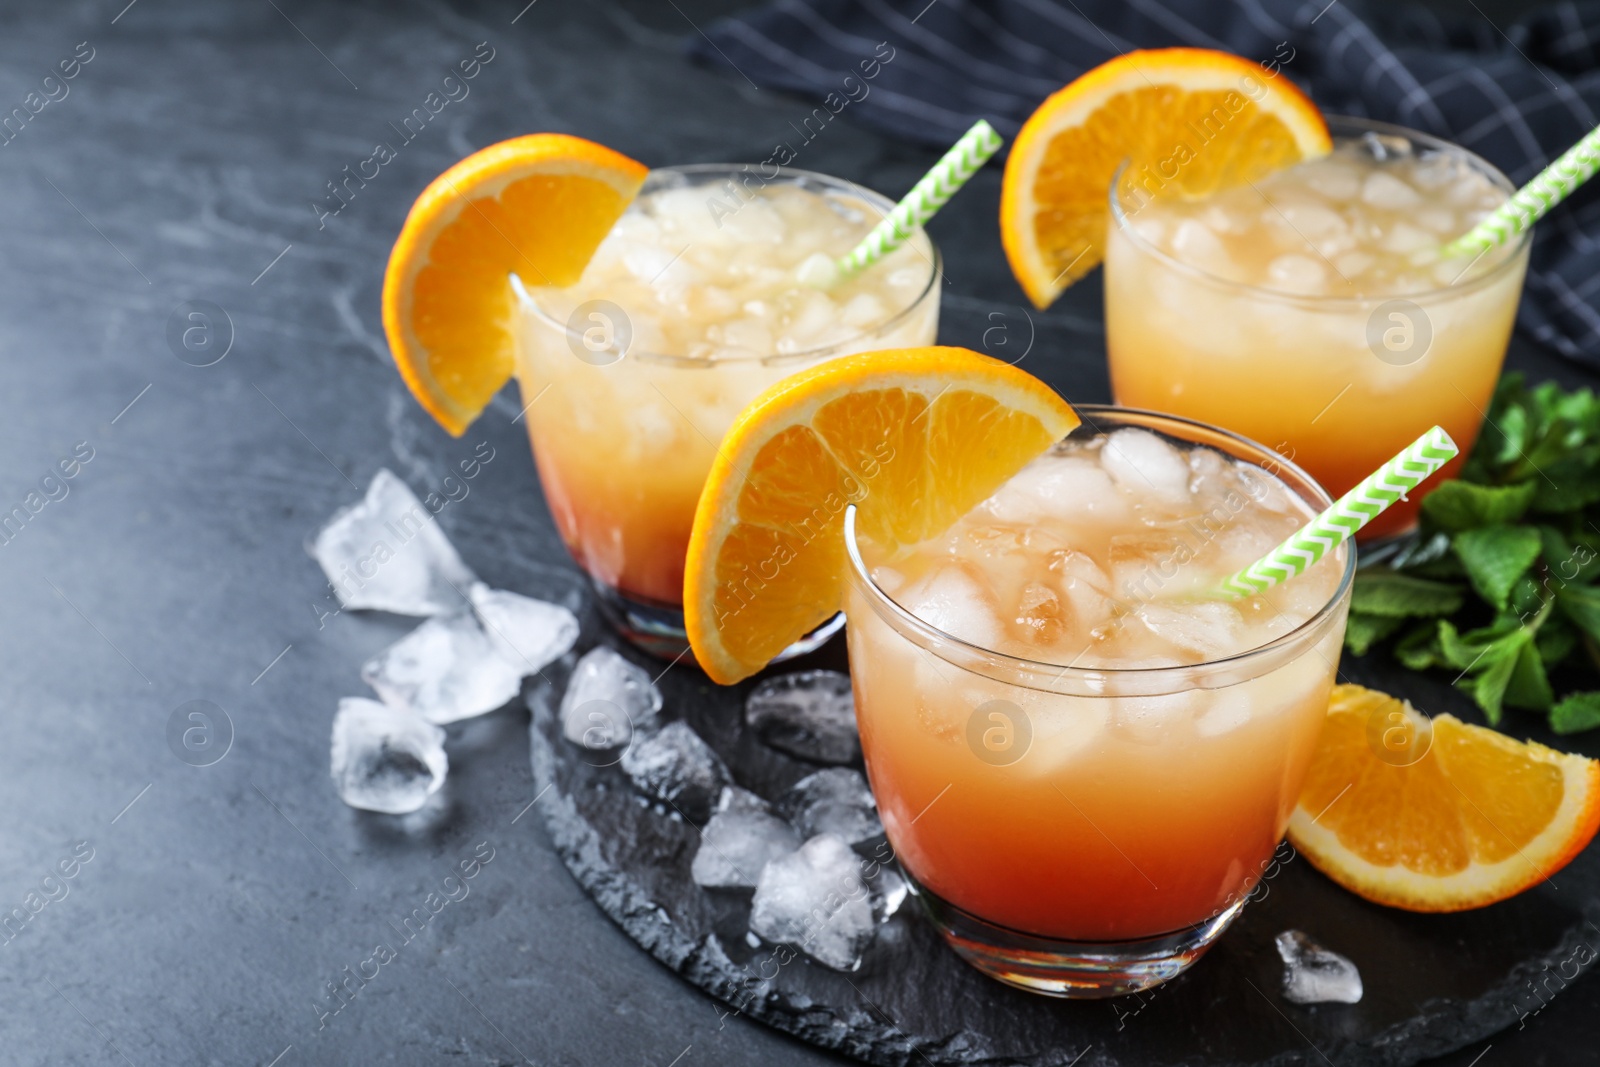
1502, 585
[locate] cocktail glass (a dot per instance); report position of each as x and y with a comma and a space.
1054, 847
1338, 384
624, 436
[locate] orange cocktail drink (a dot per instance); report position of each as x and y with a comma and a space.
689, 309
1083, 759
1312, 310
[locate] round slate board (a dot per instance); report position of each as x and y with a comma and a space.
1433, 983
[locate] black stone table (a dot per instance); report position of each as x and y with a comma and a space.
210, 909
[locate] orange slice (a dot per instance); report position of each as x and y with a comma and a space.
1439, 816
1188, 121
914, 437
538, 206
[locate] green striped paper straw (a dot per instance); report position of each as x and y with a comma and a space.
1533, 201
925, 198
1389, 483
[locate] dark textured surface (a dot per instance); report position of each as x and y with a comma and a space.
219, 905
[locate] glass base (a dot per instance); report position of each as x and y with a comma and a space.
1070, 969
657, 628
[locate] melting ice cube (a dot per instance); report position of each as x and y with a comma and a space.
385, 759
444, 670
386, 552
814, 898
836, 801
810, 714
1313, 975
1142, 463
741, 838
673, 765
606, 700
529, 634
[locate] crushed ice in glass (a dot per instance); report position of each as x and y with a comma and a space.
739, 841
385, 759
387, 553
815, 899
1313, 974
810, 714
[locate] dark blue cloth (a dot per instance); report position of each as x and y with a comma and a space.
1518, 94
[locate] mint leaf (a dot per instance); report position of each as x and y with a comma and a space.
1576, 713
1581, 604
1419, 648
1529, 686
1361, 632
1495, 557
1556, 640
1458, 505
1383, 592
1495, 666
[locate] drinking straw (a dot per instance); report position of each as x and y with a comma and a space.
1533, 201
917, 207
1389, 483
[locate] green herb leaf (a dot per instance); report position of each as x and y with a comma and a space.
1495, 665
1581, 604
1419, 648
1575, 713
1529, 686
1458, 505
1363, 631
1495, 557
1384, 592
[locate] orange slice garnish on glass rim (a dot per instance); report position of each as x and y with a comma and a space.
1459, 819
1188, 121
915, 437
537, 206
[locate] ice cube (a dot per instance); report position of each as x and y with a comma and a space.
385, 759
862, 311
1338, 182
810, 714
1045, 488
815, 899
1314, 975
951, 600
674, 766
1389, 193
889, 891
444, 670
1440, 220
528, 633
1352, 265
1143, 464
1224, 715
741, 838
1208, 628
1314, 221
387, 553
1198, 245
1040, 614
607, 699
1151, 720
835, 801
1407, 239
1298, 274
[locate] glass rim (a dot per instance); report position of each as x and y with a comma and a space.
790, 175
1183, 674
1348, 127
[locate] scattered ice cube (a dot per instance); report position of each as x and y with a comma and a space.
387, 553
1314, 975
1142, 463
607, 699
815, 899
741, 838
385, 759
444, 670
889, 891
951, 600
1384, 190
835, 801
810, 714
674, 766
528, 633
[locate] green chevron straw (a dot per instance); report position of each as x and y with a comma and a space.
1533, 201
919, 205
1389, 483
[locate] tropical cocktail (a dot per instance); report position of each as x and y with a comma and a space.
1082, 757
1313, 310
690, 307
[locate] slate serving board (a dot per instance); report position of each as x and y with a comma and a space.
1433, 984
